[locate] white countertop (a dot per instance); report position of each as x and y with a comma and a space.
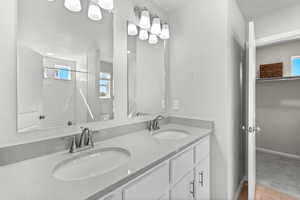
33, 180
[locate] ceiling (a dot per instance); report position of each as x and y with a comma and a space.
170, 5
250, 8
255, 8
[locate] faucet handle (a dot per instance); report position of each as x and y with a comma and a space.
91, 138
150, 125
73, 144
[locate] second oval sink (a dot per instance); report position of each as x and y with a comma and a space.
91, 164
170, 135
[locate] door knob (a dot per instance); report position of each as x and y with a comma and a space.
257, 129
243, 128
251, 129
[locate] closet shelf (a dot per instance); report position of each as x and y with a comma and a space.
275, 79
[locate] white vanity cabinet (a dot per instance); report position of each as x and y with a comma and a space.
184, 189
185, 176
113, 196
190, 173
202, 184
151, 186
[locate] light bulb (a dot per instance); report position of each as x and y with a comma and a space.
73, 5
106, 4
94, 12
165, 32
145, 19
132, 29
153, 39
143, 35
156, 26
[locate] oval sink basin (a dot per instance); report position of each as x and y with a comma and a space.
91, 164
170, 135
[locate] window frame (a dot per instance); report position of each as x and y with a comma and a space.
109, 85
63, 68
292, 65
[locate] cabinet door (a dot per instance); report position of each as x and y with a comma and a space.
184, 189
166, 196
202, 188
151, 186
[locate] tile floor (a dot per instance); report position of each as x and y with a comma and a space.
279, 173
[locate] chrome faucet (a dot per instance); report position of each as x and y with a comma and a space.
153, 125
84, 142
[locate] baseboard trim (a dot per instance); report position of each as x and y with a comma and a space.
278, 153
239, 189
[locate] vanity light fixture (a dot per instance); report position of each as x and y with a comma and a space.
94, 12
132, 29
153, 39
73, 5
165, 32
156, 26
106, 4
158, 29
94, 7
145, 19
144, 35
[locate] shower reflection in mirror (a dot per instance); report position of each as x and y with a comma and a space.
65, 73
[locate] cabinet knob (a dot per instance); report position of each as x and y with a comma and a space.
250, 129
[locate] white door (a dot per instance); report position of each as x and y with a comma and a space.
250, 128
202, 191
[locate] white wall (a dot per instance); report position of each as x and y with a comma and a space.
203, 71
150, 77
278, 103
279, 21
8, 12
278, 115
236, 65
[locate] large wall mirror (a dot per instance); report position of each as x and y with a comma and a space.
65, 65
146, 67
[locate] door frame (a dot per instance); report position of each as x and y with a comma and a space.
250, 126
278, 38
260, 42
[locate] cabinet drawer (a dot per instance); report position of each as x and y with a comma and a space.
151, 186
181, 165
202, 150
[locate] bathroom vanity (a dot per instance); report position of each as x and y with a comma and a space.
139, 165
184, 176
